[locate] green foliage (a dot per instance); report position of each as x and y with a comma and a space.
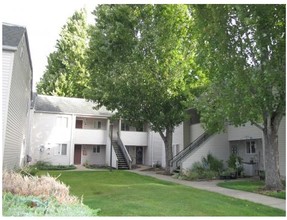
43, 165
242, 50
140, 61
209, 168
17, 205
235, 162
142, 50
66, 73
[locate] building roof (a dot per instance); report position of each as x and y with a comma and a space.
64, 105
12, 34
11, 37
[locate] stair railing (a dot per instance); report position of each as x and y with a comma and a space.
125, 152
174, 163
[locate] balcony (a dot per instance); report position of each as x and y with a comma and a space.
90, 136
134, 138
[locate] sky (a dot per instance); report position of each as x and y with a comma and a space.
43, 20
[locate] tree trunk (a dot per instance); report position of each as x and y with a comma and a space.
272, 174
167, 139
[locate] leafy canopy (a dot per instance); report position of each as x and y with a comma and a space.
140, 61
242, 50
66, 73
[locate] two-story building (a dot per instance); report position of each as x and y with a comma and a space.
70, 131
17, 76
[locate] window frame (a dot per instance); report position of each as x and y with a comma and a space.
250, 147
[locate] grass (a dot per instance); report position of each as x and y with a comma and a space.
121, 193
255, 186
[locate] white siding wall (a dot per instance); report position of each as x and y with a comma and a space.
93, 158
18, 109
244, 132
177, 139
47, 132
282, 147
155, 150
195, 131
7, 67
217, 145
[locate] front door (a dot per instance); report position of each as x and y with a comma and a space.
139, 155
77, 154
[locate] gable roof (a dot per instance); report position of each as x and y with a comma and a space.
65, 105
12, 34
11, 37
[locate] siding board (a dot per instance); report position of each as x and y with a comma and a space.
17, 98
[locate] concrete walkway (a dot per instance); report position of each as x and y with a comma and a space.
212, 187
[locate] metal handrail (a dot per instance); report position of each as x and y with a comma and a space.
196, 143
125, 151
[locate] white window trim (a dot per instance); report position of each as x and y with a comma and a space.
58, 149
248, 145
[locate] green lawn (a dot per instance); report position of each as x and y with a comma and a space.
255, 186
121, 193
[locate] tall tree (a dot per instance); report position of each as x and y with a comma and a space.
140, 64
66, 73
242, 49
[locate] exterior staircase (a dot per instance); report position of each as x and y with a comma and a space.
122, 163
177, 159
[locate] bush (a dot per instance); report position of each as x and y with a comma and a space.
38, 196
17, 205
44, 186
43, 165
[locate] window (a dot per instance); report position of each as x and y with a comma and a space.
250, 147
62, 122
60, 149
79, 123
96, 149
98, 125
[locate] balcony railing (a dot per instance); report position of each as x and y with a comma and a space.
90, 136
135, 138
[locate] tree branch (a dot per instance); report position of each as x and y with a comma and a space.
257, 125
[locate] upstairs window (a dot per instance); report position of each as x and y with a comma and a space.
79, 124
98, 125
62, 122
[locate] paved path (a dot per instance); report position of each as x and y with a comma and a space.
211, 186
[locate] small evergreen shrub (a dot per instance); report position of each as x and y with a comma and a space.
43, 165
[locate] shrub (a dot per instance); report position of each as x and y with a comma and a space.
43, 165
44, 186
37, 196
17, 205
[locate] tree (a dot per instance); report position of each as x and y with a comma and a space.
66, 73
140, 65
242, 49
